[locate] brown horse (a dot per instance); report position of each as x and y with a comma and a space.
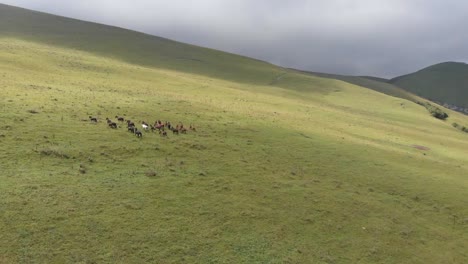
112, 124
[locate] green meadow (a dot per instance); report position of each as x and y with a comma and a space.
284, 167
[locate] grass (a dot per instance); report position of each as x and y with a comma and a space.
374, 83
286, 169
133, 47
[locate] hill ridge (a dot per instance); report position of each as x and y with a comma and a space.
128, 45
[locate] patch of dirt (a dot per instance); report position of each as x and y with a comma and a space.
420, 147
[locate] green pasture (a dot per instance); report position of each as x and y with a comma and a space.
284, 167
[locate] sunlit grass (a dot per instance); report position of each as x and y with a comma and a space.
303, 170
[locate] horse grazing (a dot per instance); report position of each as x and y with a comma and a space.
132, 129
144, 125
130, 123
120, 119
93, 119
138, 133
163, 133
192, 128
112, 124
159, 126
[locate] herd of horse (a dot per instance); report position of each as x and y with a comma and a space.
161, 127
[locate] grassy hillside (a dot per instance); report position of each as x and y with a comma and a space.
374, 83
283, 168
445, 82
130, 46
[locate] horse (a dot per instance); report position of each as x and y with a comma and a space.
144, 125
138, 133
112, 124
130, 123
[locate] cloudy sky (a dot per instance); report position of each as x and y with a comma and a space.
383, 38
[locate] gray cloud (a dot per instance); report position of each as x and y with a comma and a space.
359, 37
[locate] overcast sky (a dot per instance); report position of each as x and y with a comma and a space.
383, 38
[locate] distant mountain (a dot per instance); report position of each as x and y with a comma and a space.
445, 83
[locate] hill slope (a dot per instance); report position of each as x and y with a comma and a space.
283, 167
131, 46
446, 83
374, 83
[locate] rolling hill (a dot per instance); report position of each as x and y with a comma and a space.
284, 167
446, 83
131, 46
374, 83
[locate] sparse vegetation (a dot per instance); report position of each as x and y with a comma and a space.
151, 173
54, 153
434, 110
460, 127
